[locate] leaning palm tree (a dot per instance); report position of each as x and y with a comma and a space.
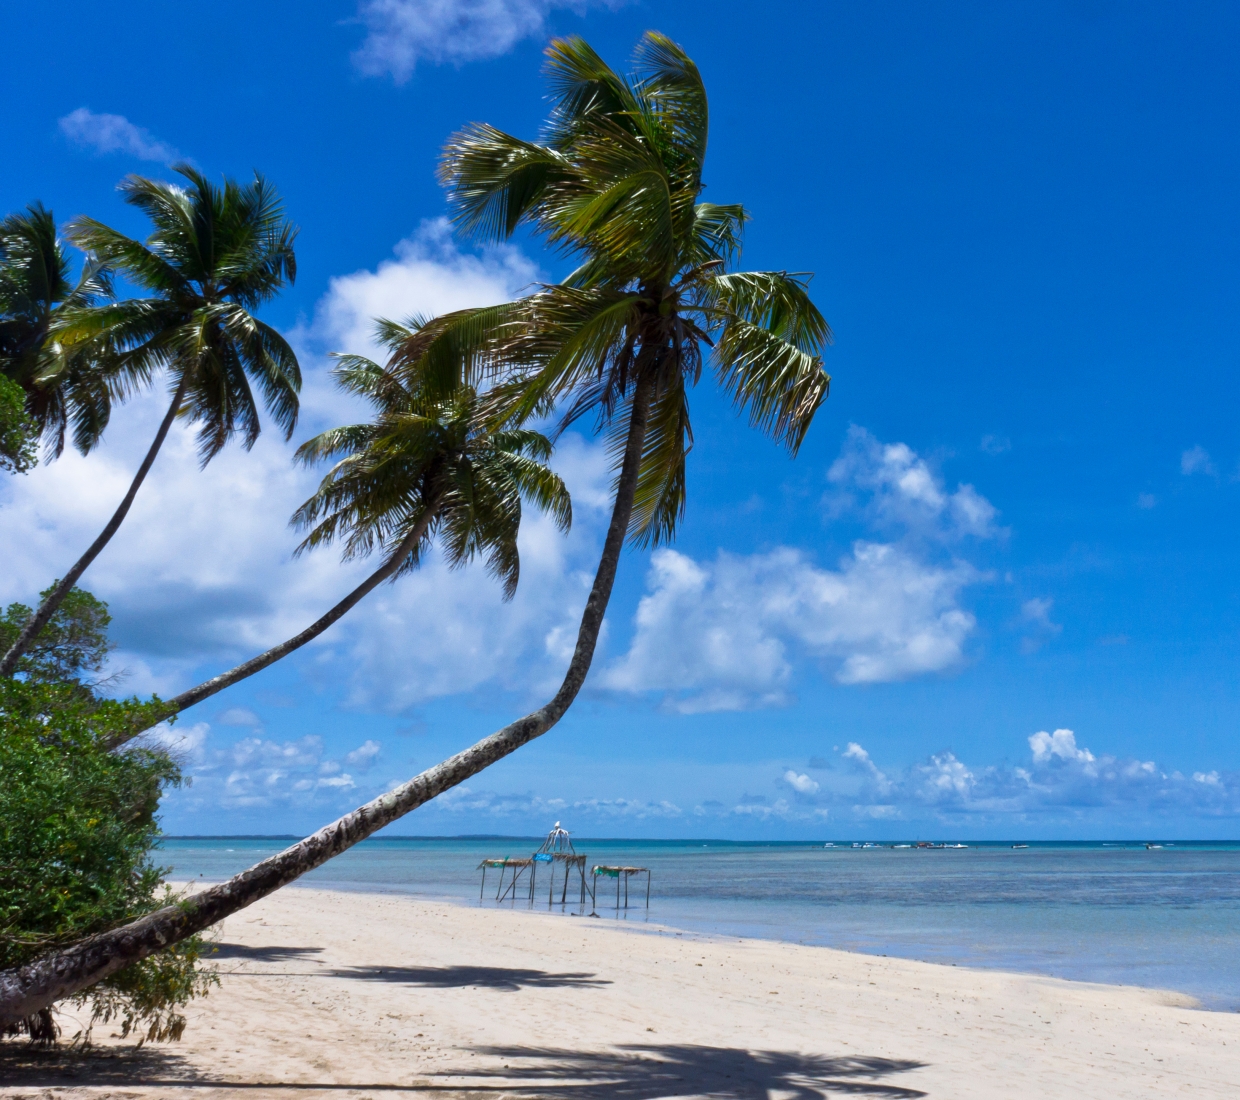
617, 184
37, 291
216, 255
424, 468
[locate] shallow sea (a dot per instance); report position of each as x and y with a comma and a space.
1123, 913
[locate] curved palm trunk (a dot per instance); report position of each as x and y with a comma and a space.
47, 608
218, 683
28, 989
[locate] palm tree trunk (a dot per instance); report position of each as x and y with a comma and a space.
26, 990
256, 664
47, 608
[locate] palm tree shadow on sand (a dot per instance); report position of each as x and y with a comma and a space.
635, 1072
656, 1072
464, 977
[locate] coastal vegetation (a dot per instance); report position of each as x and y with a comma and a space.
77, 824
653, 302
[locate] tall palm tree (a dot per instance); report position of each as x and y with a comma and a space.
424, 467
617, 184
215, 256
36, 292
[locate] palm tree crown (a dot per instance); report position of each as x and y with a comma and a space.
616, 184
36, 290
427, 454
216, 254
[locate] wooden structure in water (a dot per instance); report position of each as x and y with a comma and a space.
556, 852
622, 874
518, 868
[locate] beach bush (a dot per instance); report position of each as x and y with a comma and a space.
77, 828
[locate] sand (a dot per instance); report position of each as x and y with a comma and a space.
327, 994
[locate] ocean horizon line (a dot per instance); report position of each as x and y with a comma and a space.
538, 838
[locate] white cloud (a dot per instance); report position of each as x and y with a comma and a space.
115, 134
403, 32
1196, 460
717, 636
363, 757
1061, 744
861, 758
902, 489
1035, 614
239, 716
728, 634
202, 569
429, 276
1061, 782
802, 784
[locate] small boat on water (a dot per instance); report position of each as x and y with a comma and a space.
1150, 847
955, 845
901, 845
1020, 845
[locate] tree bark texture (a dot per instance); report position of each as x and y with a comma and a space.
218, 683
47, 608
26, 990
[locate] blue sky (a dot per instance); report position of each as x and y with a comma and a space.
1014, 518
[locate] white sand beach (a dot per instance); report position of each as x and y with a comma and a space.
332, 994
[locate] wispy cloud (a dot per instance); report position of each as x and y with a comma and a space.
1196, 460
255, 773
402, 33
115, 134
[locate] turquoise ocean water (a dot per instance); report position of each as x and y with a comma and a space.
1121, 912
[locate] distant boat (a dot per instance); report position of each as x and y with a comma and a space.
927, 844
828, 845
1151, 847
901, 845
955, 845
1020, 845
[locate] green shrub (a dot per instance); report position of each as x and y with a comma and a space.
77, 825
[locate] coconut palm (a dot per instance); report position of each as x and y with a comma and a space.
36, 292
216, 254
423, 468
616, 184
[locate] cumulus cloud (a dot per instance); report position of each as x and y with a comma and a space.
202, 568
718, 636
1060, 781
401, 33
802, 784
1196, 460
430, 275
727, 634
1061, 744
114, 134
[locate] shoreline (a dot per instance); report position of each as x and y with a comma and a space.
638, 923
351, 993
